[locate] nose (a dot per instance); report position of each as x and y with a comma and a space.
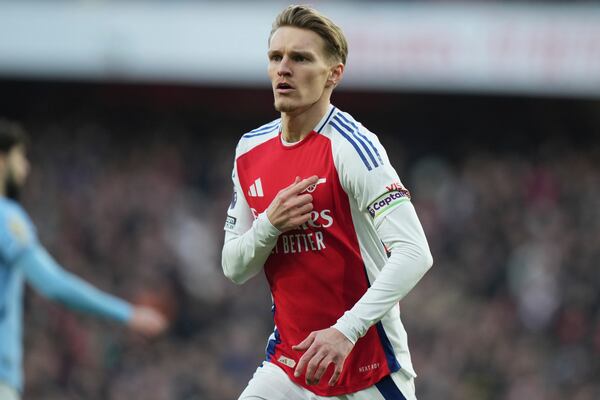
284, 68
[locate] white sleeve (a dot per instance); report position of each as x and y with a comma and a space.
401, 232
368, 177
248, 241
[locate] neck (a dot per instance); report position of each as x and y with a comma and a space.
296, 125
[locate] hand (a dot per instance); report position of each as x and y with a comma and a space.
290, 209
322, 348
147, 321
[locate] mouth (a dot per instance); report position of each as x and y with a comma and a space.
284, 87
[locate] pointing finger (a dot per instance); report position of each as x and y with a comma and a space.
299, 187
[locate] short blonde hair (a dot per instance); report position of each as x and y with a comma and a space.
306, 17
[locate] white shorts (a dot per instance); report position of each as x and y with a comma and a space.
271, 383
8, 393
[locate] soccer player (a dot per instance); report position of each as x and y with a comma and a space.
22, 257
318, 207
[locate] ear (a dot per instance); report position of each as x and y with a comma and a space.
335, 75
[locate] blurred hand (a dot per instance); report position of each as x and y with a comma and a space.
147, 321
290, 209
324, 347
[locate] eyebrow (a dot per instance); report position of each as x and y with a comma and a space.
303, 53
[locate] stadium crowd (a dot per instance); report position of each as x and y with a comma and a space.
509, 311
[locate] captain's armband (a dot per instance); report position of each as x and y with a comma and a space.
385, 203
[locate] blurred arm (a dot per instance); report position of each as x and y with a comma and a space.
55, 283
401, 232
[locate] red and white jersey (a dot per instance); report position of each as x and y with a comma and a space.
319, 271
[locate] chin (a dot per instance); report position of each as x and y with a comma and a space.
283, 106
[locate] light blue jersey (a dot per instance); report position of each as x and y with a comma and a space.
22, 258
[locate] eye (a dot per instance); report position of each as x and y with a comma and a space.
275, 57
299, 58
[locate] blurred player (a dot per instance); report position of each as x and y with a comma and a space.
317, 205
22, 257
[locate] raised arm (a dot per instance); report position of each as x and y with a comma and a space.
248, 243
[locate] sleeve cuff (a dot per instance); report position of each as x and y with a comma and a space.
348, 326
124, 312
264, 229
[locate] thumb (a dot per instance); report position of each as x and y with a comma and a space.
305, 344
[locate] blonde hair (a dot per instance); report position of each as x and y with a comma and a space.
306, 17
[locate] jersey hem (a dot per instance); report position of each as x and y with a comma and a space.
335, 390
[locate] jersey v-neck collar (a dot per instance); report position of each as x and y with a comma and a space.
317, 129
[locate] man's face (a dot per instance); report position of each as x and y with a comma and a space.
298, 68
17, 169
